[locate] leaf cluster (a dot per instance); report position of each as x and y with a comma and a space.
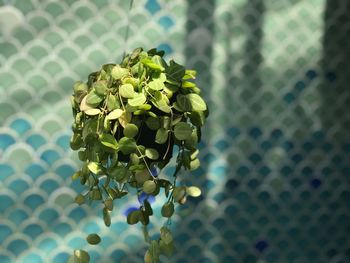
127, 119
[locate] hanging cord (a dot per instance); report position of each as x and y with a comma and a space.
126, 37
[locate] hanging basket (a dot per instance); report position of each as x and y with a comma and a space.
127, 119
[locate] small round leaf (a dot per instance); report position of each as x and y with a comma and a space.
119, 73
161, 135
115, 114
193, 191
149, 186
197, 102
167, 209
178, 193
127, 91
130, 130
93, 239
133, 217
138, 100
81, 256
152, 153
80, 199
153, 123
182, 130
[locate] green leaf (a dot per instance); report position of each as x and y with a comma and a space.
167, 209
149, 63
94, 167
133, 217
109, 141
119, 173
156, 84
153, 123
100, 87
112, 102
90, 128
182, 131
197, 118
81, 256
194, 154
93, 239
130, 130
79, 199
137, 167
154, 51
95, 194
76, 142
119, 72
115, 114
127, 145
152, 153
127, 91
162, 136
158, 60
197, 102
191, 142
166, 249
133, 81
154, 251
148, 208
190, 74
134, 158
176, 121
147, 257
183, 103
188, 84
93, 99
175, 71
145, 107
193, 191
136, 52
138, 100
162, 105
106, 217
194, 164
149, 186
76, 175
92, 112
79, 87
166, 235
142, 176
178, 193
109, 204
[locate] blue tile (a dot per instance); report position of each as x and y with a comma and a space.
152, 6
6, 140
34, 170
166, 47
166, 22
6, 171
5, 203
36, 140
50, 156
21, 126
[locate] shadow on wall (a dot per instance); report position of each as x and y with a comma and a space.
199, 53
335, 90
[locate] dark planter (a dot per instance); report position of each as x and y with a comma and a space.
147, 137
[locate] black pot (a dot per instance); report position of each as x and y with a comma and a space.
147, 137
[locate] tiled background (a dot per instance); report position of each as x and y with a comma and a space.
276, 151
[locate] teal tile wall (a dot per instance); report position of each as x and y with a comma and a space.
276, 149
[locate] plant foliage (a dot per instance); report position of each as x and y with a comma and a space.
127, 119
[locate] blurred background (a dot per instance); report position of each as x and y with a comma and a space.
275, 153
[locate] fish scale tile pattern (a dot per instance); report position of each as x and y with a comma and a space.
275, 152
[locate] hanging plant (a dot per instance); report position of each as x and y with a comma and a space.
127, 119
